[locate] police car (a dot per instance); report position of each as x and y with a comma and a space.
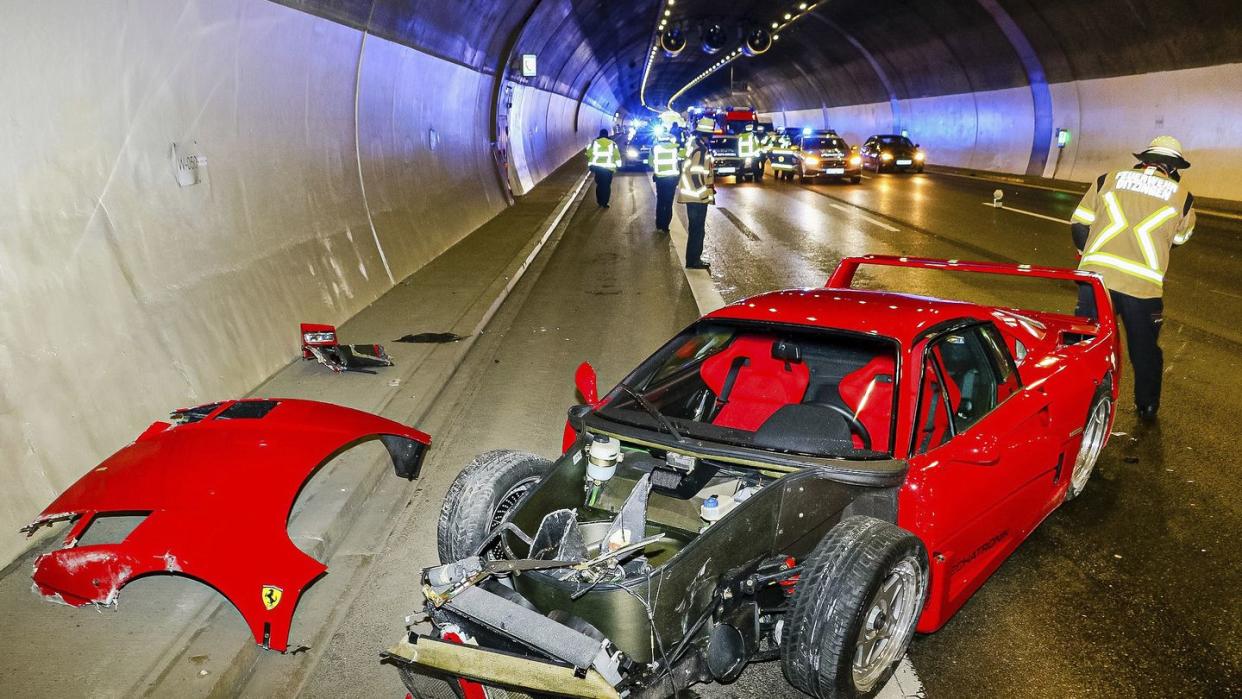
817, 154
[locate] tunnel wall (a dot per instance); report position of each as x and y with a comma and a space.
337, 162
1109, 118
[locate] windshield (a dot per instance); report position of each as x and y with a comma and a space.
790, 390
900, 141
823, 142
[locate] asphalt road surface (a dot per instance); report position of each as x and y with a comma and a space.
1131, 590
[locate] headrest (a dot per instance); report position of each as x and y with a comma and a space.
786, 351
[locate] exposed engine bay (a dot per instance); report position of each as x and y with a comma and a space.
631, 571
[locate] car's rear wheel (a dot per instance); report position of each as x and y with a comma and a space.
480, 498
856, 179
854, 609
1094, 435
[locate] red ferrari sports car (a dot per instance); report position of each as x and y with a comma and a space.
809, 475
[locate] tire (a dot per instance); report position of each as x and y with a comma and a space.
838, 611
856, 179
1094, 435
486, 489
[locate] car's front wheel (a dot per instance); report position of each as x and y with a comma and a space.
1094, 435
854, 609
481, 496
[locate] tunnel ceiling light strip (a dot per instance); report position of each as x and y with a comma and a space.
663, 13
788, 19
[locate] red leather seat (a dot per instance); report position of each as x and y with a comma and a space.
868, 392
762, 385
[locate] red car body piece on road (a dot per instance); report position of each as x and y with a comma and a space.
216, 487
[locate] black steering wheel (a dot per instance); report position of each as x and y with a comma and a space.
856, 425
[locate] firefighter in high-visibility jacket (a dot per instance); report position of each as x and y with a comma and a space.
665, 170
603, 157
695, 189
748, 151
1124, 228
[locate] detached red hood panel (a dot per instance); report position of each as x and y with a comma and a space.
218, 490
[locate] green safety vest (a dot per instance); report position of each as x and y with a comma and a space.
664, 160
604, 153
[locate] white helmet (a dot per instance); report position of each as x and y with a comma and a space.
1164, 149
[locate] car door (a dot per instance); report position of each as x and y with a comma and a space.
981, 464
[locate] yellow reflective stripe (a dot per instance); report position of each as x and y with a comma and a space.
781, 166
1123, 265
1116, 224
698, 170
1083, 215
1181, 238
1143, 232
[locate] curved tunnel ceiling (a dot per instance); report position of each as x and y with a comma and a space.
590, 50
854, 51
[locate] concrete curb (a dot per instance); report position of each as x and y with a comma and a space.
1219, 208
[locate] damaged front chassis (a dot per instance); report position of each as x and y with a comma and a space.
216, 487
676, 603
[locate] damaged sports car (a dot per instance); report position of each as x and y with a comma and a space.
809, 475
211, 491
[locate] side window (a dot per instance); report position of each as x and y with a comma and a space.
970, 376
1006, 373
931, 428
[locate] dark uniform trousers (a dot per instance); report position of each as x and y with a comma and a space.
1142, 319
697, 216
603, 184
666, 189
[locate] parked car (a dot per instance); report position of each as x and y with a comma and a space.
810, 475
892, 152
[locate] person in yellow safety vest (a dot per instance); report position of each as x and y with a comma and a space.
603, 157
665, 170
1124, 228
748, 149
696, 190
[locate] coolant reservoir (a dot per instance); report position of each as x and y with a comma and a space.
602, 458
715, 507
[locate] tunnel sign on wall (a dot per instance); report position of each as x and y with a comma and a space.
189, 163
529, 65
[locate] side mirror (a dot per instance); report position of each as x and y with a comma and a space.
587, 383
577, 416
980, 449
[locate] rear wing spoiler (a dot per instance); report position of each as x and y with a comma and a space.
843, 276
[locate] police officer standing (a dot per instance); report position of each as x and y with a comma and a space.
604, 159
695, 189
1124, 228
665, 171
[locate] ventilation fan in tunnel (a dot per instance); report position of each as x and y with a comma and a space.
758, 40
714, 37
672, 41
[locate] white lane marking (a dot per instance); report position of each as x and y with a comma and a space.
1028, 213
706, 297
905, 683
865, 217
